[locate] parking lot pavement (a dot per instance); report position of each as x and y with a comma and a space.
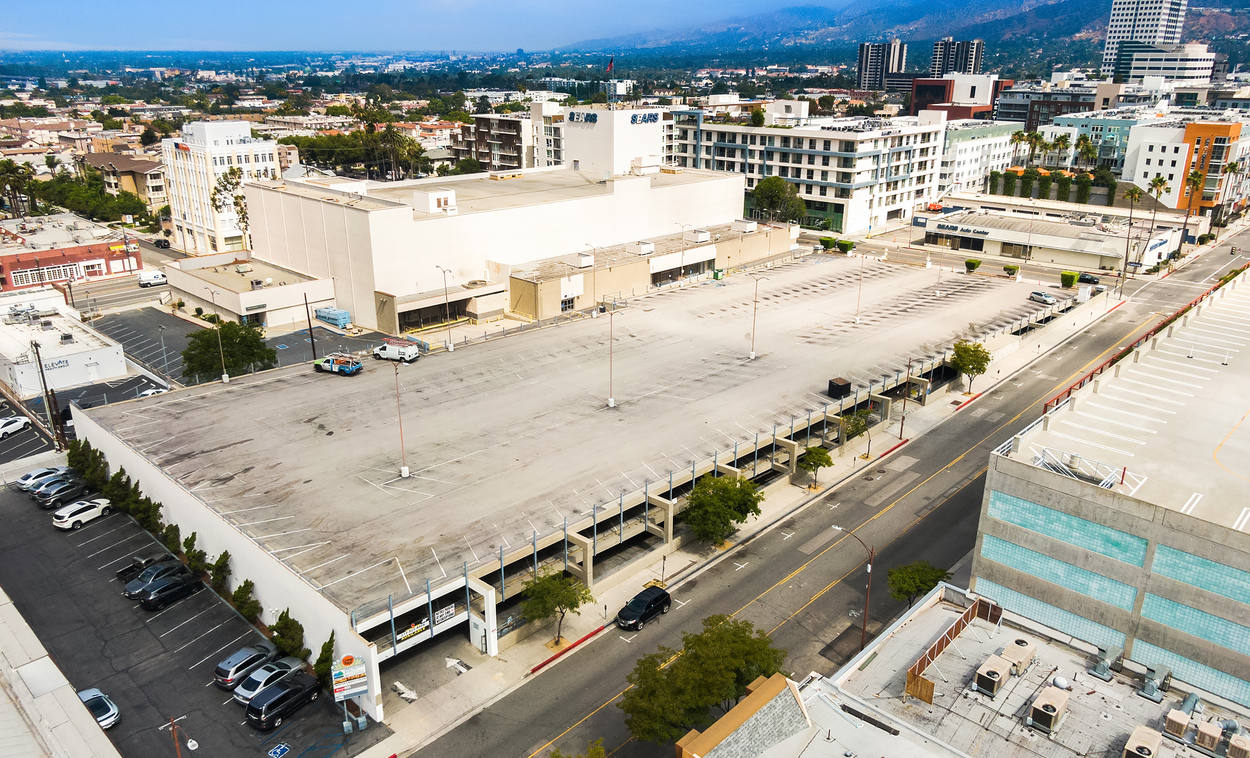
29, 441
139, 333
155, 666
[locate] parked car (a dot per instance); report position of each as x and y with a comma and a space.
171, 589
645, 606
1045, 298
339, 363
1085, 278
161, 243
242, 662
152, 278
10, 425
154, 391
74, 515
32, 479
269, 674
396, 351
101, 706
139, 562
48, 483
274, 704
58, 494
138, 587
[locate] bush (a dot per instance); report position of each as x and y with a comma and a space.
181, 304
1205, 238
992, 187
1083, 184
197, 560
972, 264
827, 242
220, 572
1063, 188
1026, 182
846, 246
288, 635
1067, 278
245, 601
171, 538
1043, 187
199, 311
1011, 270
1009, 183
325, 661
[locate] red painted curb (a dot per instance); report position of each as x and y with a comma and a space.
896, 447
969, 400
537, 668
1117, 305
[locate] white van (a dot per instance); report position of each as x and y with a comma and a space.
152, 278
397, 352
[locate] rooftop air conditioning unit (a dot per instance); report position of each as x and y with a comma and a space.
258, 283
1108, 661
243, 268
66, 338
1239, 746
1209, 733
1048, 710
1176, 723
991, 675
46, 325
1020, 653
1158, 681
1142, 743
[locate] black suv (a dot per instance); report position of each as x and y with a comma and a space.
55, 495
276, 702
162, 592
645, 606
161, 243
1087, 279
138, 587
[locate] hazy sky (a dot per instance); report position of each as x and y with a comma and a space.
338, 25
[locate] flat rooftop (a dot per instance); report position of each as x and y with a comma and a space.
18, 330
1166, 419
229, 277
508, 438
961, 721
59, 230
1010, 222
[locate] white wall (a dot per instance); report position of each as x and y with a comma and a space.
606, 146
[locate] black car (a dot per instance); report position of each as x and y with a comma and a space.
138, 587
56, 495
645, 606
269, 707
1087, 279
139, 562
162, 592
163, 244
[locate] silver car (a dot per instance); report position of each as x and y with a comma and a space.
103, 709
33, 479
1045, 298
270, 673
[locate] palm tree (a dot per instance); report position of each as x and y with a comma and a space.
1133, 195
1035, 141
1018, 138
1158, 187
1061, 144
1231, 170
1193, 184
1082, 141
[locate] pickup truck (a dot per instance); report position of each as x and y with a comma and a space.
339, 363
397, 352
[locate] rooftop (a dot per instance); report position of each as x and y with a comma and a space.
23, 324
238, 275
1084, 227
21, 235
1159, 426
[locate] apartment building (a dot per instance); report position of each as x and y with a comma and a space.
1036, 104
498, 141
856, 174
877, 60
1173, 148
144, 177
1156, 22
956, 57
973, 149
958, 95
193, 163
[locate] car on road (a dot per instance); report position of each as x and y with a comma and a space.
645, 606
161, 243
154, 391
139, 562
60, 492
136, 588
34, 478
171, 589
397, 351
152, 278
1085, 278
1045, 298
238, 665
269, 674
74, 515
101, 706
10, 425
339, 363
274, 704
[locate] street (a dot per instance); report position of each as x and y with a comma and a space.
802, 581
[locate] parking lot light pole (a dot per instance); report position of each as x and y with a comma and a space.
225, 376
611, 339
872, 555
755, 302
164, 358
399, 415
594, 280
906, 391
447, 304
859, 294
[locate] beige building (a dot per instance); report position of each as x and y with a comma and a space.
127, 173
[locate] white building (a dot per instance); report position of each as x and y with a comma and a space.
1174, 147
1137, 62
72, 352
858, 174
972, 150
1157, 22
193, 163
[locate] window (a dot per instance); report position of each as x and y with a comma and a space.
566, 304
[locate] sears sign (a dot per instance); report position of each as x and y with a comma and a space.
579, 117
644, 118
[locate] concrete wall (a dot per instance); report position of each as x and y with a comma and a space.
277, 587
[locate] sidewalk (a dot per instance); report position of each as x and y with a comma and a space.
442, 709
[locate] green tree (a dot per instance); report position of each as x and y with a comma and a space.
325, 661
467, 166
244, 599
552, 596
242, 346
1193, 186
913, 580
718, 504
593, 750
219, 571
972, 264
227, 194
970, 359
171, 538
288, 635
149, 137
757, 117
674, 692
813, 460
778, 199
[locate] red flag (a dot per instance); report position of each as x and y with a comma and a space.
611, 62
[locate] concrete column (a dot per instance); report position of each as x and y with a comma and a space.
724, 469
488, 612
585, 568
669, 509
791, 447
886, 405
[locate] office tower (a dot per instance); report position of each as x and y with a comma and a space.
1153, 21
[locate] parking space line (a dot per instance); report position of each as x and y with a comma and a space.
115, 544
265, 521
282, 534
319, 565
1106, 420
1155, 397
157, 615
218, 650
188, 621
97, 522
1189, 368
1091, 444
1156, 389
201, 636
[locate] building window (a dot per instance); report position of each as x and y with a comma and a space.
566, 304
58, 273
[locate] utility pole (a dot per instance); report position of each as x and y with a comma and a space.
611, 339
399, 414
872, 555
311, 338
49, 403
859, 294
447, 304
906, 392
225, 376
164, 358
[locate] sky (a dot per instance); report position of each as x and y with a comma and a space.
336, 25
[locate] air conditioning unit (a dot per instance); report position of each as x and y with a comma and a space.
243, 268
1048, 710
1021, 652
1209, 733
990, 676
1239, 746
1158, 681
1142, 743
1108, 661
1176, 723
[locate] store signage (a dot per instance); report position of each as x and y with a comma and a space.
644, 118
349, 678
259, 307
50, 365
413, 630
962, 229
445, 613
578, 117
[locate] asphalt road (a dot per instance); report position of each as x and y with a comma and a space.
802, 581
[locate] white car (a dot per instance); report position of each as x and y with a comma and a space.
74, 515
1045, 298
12, 425
270, 673
154, 391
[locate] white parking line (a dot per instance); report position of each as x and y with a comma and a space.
205, 634
1096, 430
155, 616
319, 565
1191, 503
98, 536
115, 544
218, 650
1091, 444
1240, 523
98, 521
1189, 367
1157, 389
265, 521
1154, 397
1106, 420
188, 621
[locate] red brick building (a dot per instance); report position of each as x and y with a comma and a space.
52, 249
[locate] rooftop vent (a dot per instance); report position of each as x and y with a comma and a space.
1143, 742
990, 676
1048, 710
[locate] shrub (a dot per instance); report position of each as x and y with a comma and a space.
1067, 278
148, 514
181, 304
288, 635
846, 246
827, 242
1011, 270
245, 600
1043, 187
992, 187
1063, 188
1026, 182
220, 572
1205, 238
1009, 183
199, 311
1083, 184
972, 264
197, 560
325, 661
171, 538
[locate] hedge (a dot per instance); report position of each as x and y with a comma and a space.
1067, 278
845, 245
827, 242
972, 264
1011, 270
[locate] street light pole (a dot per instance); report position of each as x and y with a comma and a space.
594, 281
225, 376
164, 358
872, 555
611, 339
859, 294
906, 392
447, 304
399, 415
681, 269
755, 302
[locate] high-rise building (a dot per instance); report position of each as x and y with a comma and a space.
876, 59
1154, 21
956, 57
1183, 64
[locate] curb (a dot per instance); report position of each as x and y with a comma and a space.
897, 446
969, 400
585, 637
